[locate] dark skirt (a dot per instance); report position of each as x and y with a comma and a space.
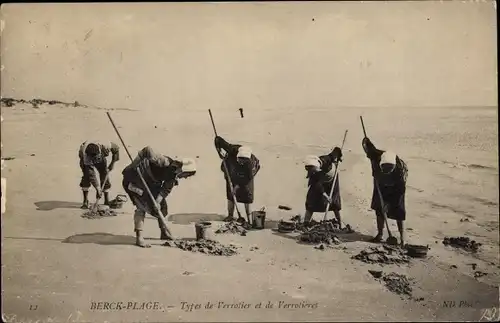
395, 201
315, 202
244, 194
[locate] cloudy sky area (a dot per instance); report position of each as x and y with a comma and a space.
252, 55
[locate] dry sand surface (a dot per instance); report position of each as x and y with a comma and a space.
59, 262
424, 71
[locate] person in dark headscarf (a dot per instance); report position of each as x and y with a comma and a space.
92, 157
390, 173
320, 173
242, 166
161, 174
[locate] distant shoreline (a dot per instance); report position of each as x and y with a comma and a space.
36, 102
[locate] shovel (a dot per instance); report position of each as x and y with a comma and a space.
94, 208
162, 219
226, 171
335, 175
392, 240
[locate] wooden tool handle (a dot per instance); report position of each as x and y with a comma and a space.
226, 171
363, 125
153, 200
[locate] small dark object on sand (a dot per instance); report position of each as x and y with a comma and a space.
464, 243
474, 266
382, 255
453, 266
284, 207
32, 155
348, 229
241, 112
376, 273
117, 203
416, 251
99, 213
464, 220
478, 274
287, 226
392, 240
208, 247
233, 227
8, 158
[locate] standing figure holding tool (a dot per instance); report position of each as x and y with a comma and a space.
92, 157
389, 189
240, 166
148, 180
323, 184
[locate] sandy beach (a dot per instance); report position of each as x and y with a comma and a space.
58, 266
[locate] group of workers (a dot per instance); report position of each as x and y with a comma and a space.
150, 178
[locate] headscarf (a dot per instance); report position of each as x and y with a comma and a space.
244, 152
388, 158
312, 160
188, 165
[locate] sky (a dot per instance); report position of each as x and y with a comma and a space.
252, 55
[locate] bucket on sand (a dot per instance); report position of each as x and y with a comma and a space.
201, 230
258, 219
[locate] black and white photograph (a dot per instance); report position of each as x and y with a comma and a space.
274, 161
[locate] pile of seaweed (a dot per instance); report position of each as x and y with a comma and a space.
99, 213
208, 247
233, 227
383, 255
464, 243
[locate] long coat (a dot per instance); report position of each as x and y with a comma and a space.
392, 186
320, 183
241, 175
159, 174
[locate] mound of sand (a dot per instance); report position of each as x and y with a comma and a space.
398, 284
395, 283
232, 227
383, 255
99, 213
208, 247
322, 232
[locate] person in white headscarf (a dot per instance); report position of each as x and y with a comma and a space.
390, 172
161, 174
242, 166
320, 173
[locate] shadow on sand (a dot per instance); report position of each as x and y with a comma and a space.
188, 218
52, 205
101, 238
33, 238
